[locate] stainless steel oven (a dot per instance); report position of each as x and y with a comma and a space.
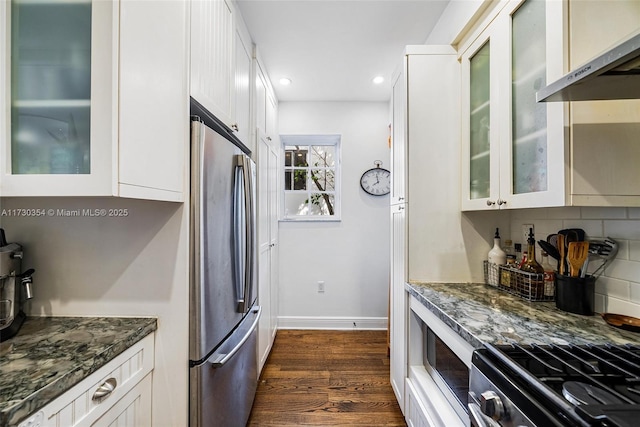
447, 370
553, 385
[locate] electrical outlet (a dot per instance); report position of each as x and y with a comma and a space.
525, 232
320, 286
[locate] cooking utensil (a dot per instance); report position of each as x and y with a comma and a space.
623, 322
551, 250
610, 253
577, 253
562, 252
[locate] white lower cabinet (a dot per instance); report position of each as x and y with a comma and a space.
127, 405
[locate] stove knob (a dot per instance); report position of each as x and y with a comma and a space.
491, 405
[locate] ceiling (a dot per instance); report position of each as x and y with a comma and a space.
332, 49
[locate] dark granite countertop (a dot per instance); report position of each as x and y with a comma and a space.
483, 314
52, 354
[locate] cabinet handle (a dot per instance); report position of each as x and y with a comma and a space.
235, 127
490, 203
400, 198
105, 389
501, 202
268, 138
400, 208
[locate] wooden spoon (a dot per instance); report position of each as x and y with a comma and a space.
577, 253
561, 250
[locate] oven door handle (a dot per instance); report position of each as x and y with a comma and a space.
478, 419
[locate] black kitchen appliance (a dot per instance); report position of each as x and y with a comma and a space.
555, 385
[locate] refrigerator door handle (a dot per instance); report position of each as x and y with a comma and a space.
240, 236
218, 360
244, 231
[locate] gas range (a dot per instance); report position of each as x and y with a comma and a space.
554, 385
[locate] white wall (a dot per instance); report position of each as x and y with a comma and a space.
102, 266
618, 289
351, 256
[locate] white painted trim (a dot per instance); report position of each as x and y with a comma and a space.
332, 323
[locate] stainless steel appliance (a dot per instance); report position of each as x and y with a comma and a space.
223, 315
613, 74
15, 288
552, 385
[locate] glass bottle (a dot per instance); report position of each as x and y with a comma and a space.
530, 265
534, 289
549, 276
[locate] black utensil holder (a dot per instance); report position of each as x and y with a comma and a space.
575, 294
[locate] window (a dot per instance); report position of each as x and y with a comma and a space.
311, 177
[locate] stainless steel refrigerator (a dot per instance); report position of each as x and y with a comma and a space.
223, 314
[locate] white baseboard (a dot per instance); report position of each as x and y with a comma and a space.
332, 323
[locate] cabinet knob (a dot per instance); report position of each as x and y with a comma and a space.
400, 208
490, 203
268, 138
501, 202
105, 389
235, 127
400, 198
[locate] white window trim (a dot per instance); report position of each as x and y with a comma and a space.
334, 140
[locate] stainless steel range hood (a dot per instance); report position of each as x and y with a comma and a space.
614, 74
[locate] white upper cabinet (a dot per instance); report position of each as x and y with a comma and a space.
266, 106
243, 84
78, 123
398, 141
221, 53
513, 147
212, 57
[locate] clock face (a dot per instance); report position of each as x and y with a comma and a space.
376, 181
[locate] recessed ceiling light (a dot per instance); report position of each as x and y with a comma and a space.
285, 81
378, 79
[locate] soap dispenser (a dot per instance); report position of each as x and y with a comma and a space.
496, 254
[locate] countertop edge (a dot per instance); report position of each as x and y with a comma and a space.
10, 415
474, 341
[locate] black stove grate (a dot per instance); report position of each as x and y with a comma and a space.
606, 378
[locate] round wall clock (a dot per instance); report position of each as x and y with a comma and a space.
376, 181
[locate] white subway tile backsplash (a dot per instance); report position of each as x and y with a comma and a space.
634, 291
603, 213
618, 289
634, 213
634, 250
613, 287
622, 229
563, 213
624, 270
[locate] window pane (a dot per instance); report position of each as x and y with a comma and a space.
322, 180
300, 157
287, 158
322, 204
288, 179
299, 179
323, 156
529, 117
296, 204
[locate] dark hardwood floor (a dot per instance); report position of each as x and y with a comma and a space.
326, 378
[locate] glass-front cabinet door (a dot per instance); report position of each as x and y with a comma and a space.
481, 152
513, 147
536, 136
58, 75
